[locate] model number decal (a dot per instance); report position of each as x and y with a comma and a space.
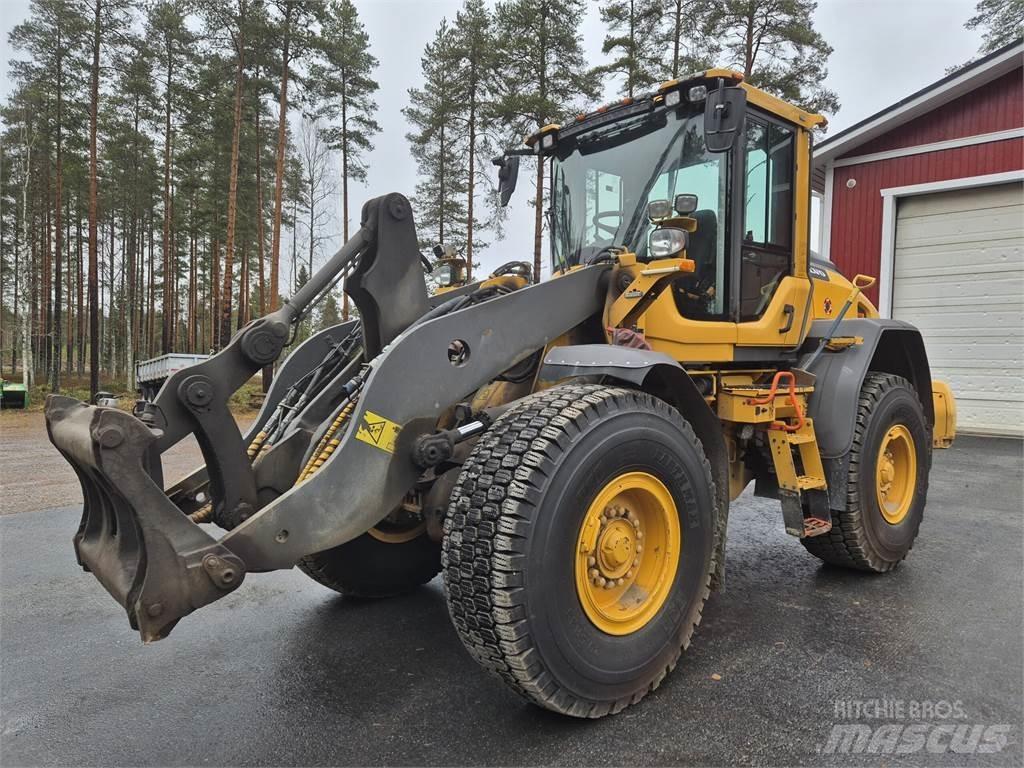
818, 273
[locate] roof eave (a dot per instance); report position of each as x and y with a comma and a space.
927, 99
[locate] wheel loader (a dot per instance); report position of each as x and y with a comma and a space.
564, 452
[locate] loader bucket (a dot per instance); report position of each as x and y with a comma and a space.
149, 556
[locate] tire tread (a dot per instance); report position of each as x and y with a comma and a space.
492, 510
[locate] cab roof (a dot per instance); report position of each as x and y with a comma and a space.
709, 78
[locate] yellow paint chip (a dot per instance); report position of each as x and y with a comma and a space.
378, 431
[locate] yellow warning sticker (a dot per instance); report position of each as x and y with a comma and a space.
378, 431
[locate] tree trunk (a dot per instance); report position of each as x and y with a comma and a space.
344, 184
678, 31
282, 123
472, 179
58, 230
538, 220
69, 328
82, 325
94, 325
229, 242
26, 312
167, 297
151, 302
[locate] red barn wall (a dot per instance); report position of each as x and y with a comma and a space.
856, 228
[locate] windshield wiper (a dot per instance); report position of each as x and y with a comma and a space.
641, 210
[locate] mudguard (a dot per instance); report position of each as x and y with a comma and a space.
889, 346
665, 378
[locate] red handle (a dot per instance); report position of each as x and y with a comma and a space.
776, 380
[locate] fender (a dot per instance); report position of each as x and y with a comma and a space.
889, 346
659, 375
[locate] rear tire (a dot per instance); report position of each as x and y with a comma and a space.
519, 566
371, 568
883, 513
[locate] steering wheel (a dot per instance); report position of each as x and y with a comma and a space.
610, 230
521, 269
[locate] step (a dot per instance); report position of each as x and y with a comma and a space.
810, 483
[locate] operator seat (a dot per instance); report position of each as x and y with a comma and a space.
691, 292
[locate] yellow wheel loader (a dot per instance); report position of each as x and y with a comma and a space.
564, 452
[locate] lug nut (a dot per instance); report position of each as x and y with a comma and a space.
591, 561
594, 573
600, 581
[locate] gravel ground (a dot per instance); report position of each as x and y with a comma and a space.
34, 476
284, 672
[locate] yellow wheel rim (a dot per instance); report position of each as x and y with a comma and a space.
394, 535
627, 553
896, 474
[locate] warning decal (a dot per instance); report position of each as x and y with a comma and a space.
378, 431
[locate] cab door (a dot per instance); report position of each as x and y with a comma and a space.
770, 284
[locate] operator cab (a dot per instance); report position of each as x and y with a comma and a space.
708, 136
449, 272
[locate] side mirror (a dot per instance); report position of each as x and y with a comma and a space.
508, 174
723, 116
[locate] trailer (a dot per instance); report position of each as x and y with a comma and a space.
151, 374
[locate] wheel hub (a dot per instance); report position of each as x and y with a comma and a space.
896, 474
628, 553
618, 547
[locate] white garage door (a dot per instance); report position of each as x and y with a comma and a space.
958, 275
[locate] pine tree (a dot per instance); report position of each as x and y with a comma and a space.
328, 315
53, 37
434, 112
544, 77
344, 88
293, 16
476, 66
166, 27
682, 34
635, 41
1001, 22
775, 45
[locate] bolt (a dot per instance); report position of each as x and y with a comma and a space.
600, 581
639, 548
111, 437
639, 534
155, 610
630, 573
636, 561
212, 561
591, 560
594, 573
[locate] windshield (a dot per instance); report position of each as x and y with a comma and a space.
602, 182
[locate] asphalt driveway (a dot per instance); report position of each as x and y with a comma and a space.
283, 672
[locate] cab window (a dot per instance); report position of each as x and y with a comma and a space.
767, 249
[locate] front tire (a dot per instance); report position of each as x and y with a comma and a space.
380, 563
548, 579
887, 482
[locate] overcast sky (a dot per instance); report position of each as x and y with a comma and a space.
884, 50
